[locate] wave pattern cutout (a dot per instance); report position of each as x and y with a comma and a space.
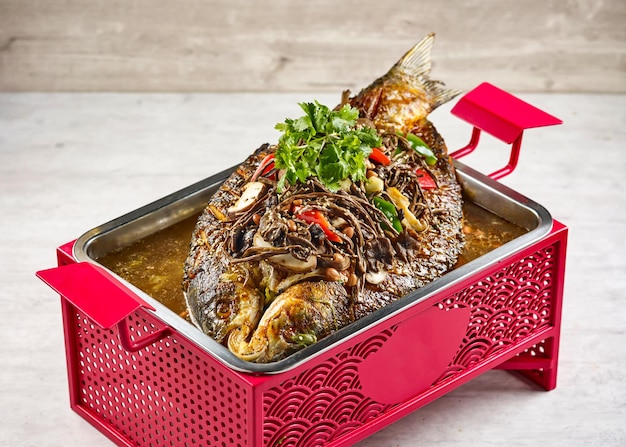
323, 403
326, 402
506, 307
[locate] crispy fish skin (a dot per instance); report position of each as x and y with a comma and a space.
434, 250
229, 295
219, 295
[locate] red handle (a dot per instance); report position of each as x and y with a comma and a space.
502, 115
134, 345
102, 298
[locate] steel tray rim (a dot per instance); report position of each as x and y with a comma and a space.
80, 252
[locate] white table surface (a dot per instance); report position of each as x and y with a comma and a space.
69, 162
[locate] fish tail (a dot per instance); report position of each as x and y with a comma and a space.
417, 63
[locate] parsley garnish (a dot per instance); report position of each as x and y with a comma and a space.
324, 143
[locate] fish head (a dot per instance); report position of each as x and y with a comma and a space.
283, 330
219, 309
303, 314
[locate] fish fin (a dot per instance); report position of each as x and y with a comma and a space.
417, 62
439, 93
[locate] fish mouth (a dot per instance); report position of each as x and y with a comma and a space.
247, 350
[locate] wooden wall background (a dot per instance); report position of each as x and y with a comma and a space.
295, 45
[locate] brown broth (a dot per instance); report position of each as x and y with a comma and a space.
154, 264
484, 232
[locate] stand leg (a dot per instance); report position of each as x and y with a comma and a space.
538, 363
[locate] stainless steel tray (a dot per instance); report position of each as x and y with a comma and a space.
147, 220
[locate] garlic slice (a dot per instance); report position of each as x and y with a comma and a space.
402, 202
376, 277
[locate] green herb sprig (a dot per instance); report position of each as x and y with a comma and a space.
324, 143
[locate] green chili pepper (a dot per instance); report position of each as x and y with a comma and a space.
421, 148
389, 210
304, 339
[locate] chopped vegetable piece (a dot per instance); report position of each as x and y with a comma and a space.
390, 211
268, 169
421, 148
379, 157
425, 180
266, 165
374, 184
315, 216
304, 339
402, 202
269, 296
219, 215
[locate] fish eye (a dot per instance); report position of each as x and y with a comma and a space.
222, 309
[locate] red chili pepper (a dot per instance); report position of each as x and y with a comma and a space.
315, 216
266, 165
379, 157
425, 180
268, 169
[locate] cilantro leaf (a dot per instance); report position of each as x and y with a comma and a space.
324, 143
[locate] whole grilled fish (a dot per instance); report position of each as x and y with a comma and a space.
281, 258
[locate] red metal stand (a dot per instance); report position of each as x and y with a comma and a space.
172, 392
143, 383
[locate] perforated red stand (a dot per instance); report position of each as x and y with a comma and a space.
142, 383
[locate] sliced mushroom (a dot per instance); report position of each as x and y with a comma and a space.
250, 194
299, 277
287, 261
